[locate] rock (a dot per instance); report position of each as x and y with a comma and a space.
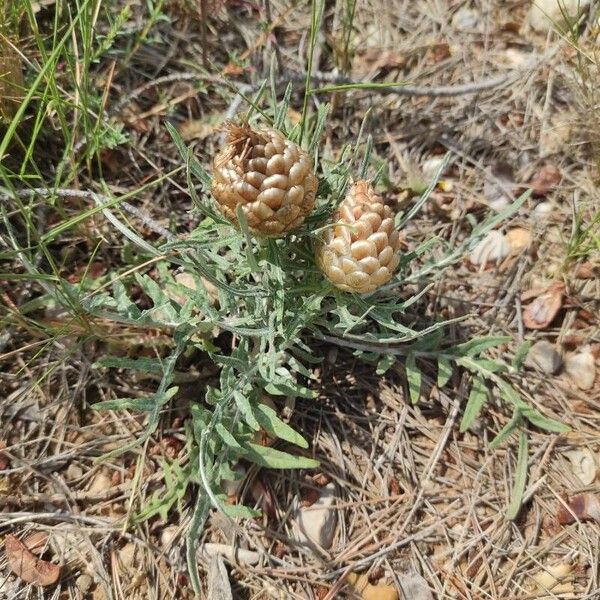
584, 465
545, 15
431, 166
492, 248
100, 484
316, 524
84, 583
543, 210
127, 556
581, 368
519, 239
168, 536
556, 136
74, 472
544, 356
467, 19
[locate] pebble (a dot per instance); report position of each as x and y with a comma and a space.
431, 166
168, 536
545, 15
581, 367
127, 556
84, 583
467, 19
543, 210
101, 483
544, 356
74, 472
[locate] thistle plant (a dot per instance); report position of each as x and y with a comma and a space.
274, 299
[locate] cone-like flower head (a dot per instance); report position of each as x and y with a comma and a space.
271, 178
359, 252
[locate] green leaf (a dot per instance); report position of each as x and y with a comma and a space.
413, 376
289, 388
275, 427
228, 437
507, 430
444, 372
282, 109
521, 355
147, 404
539, 420
145, 365
239, 511
384, 363
511, 395
250, 258
479, 345
516, 497
265, 456
246, 409
477, 399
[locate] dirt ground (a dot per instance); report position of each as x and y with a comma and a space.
421, 507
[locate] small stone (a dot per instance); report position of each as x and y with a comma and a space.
492, 248
584, 465
126, 556
545, 15
74, 472
556, 136
544, 356
317, 523
515, 58
431, 166
581, 367
84, 583
518, 239
168, 536
543, 210
466, 19
101, 483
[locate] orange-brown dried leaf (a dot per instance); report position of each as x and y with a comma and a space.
36, 542
27, 566
543, 310
545, 180
582, 507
